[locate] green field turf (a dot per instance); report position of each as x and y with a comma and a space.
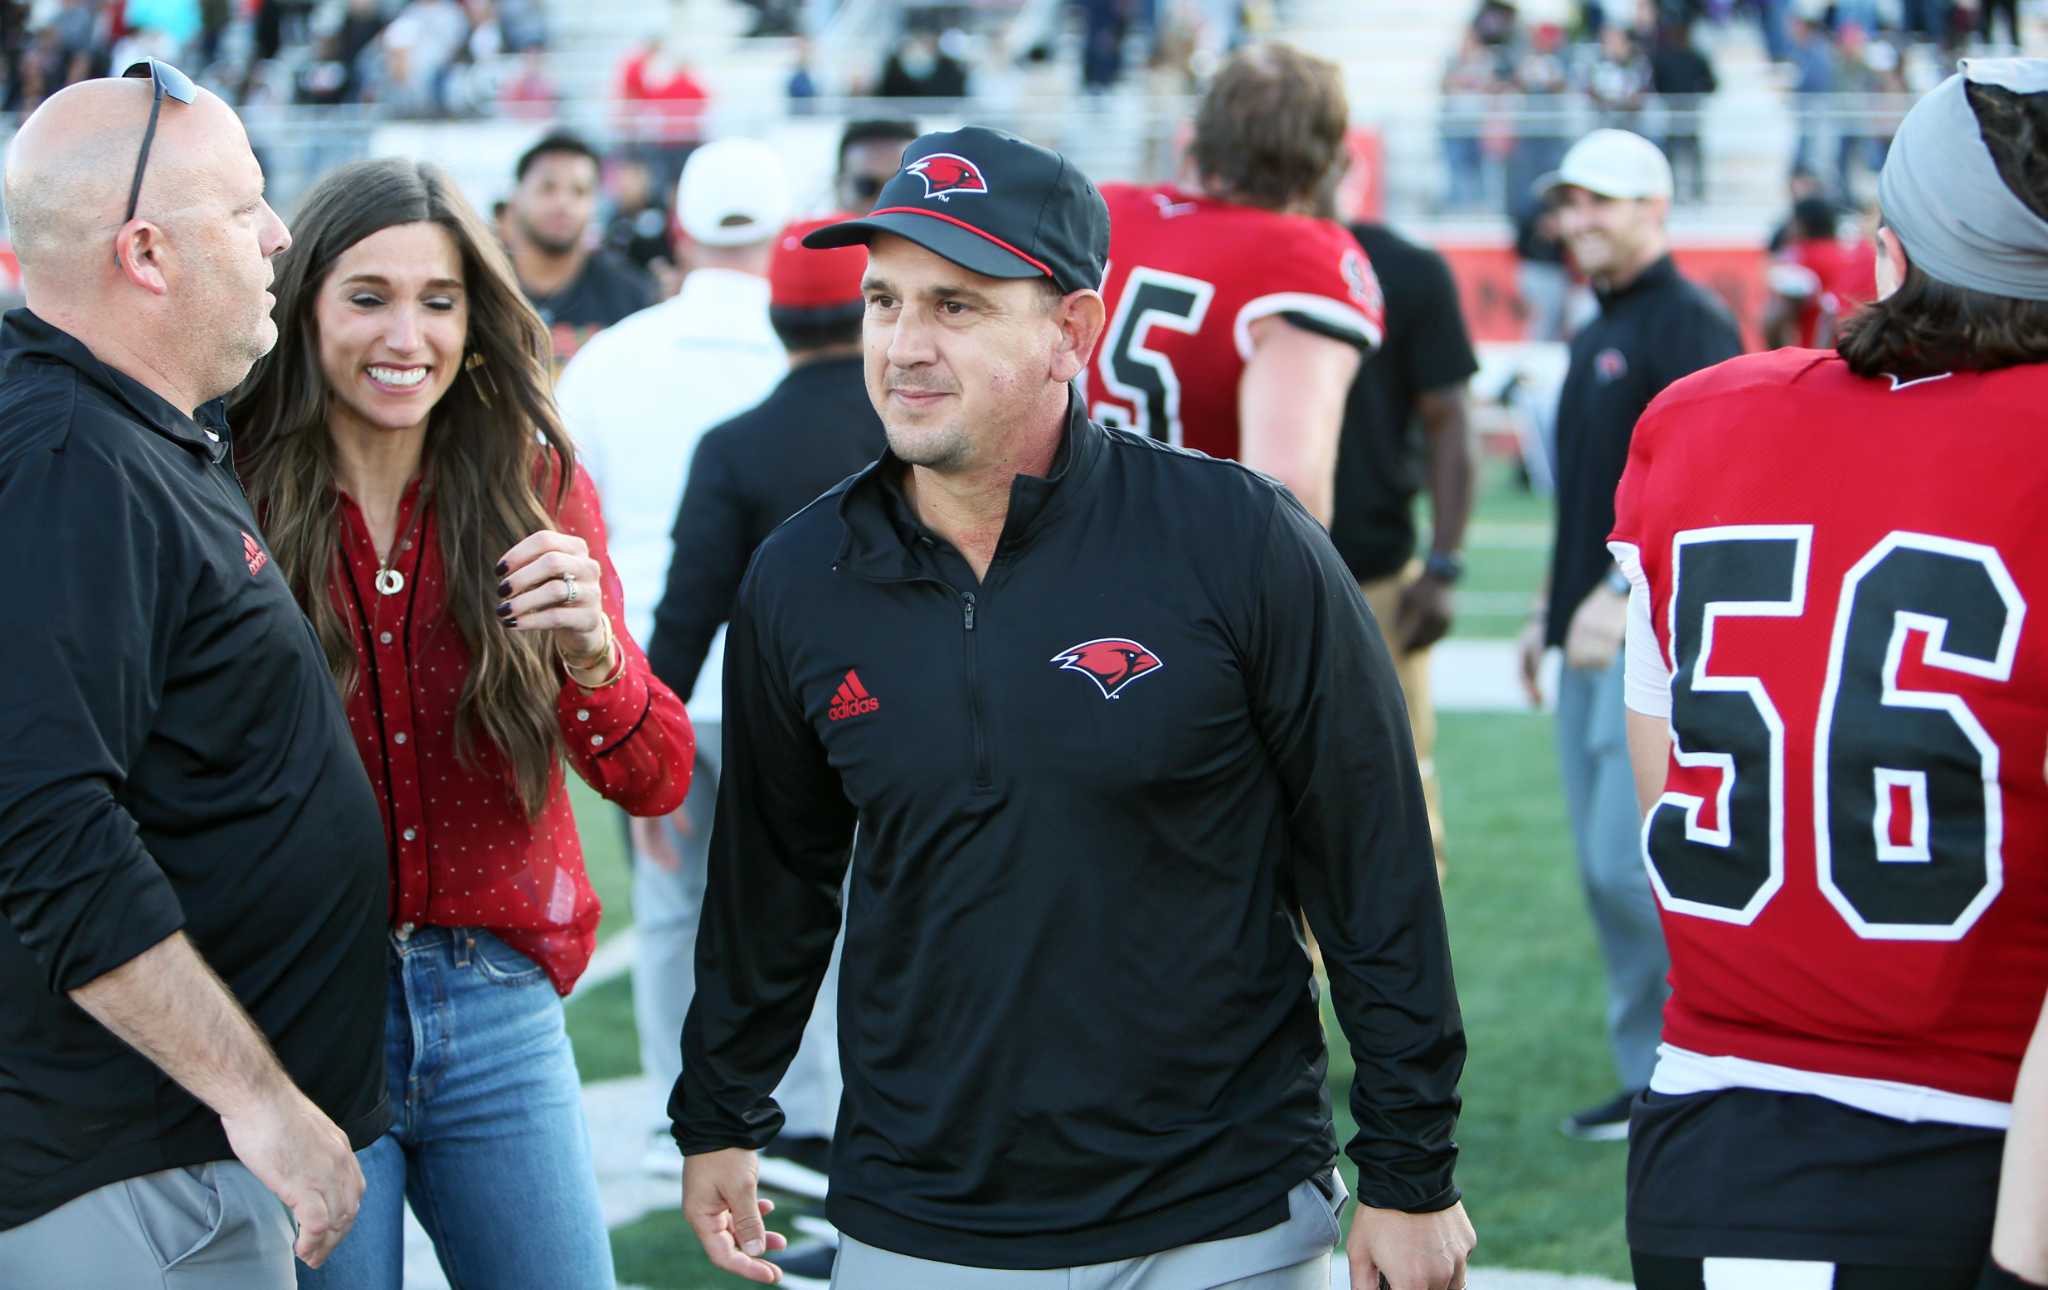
1527, 974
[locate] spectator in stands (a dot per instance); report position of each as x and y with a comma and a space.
1988, 12
802, 85
661, 106
870, 154
1617, 78
1546, 128
578, 289
530, 92
1471, 79
637, 398
1678, 69
1104, 25
1813, 61
419, 46
919, 68
336, 73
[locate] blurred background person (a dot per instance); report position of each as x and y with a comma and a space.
1817, 279
814, 429
1613, 192
637, 398
1405, 428
870, 154
578, 288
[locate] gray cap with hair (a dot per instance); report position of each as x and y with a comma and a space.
1941, 192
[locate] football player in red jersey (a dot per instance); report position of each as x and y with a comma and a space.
1838, 683
1237, 318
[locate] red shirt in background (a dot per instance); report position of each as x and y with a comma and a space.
463, 852
1831, 279
652, 85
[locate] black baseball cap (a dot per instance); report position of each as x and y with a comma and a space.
992, 203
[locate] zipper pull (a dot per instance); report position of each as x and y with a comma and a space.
967, 606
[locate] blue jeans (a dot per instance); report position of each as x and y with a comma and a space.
490, 1143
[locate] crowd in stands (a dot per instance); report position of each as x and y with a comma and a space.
1516, 91
419, 58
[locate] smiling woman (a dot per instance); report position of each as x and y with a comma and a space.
403, 451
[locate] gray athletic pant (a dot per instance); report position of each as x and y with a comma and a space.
1293, 1256
667, 907
205, 1227
1600, 798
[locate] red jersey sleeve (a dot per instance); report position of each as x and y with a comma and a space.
1315, 274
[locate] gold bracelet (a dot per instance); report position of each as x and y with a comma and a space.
611, 652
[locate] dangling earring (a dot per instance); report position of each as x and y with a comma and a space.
485, 385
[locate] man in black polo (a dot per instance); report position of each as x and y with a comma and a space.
1613, 191
1404, 425
191, 863
1109, 717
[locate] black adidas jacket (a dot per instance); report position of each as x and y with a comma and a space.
1094, 794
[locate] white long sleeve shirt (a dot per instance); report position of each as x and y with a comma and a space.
638, 396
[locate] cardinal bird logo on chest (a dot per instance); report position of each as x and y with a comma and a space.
947, 173
1112, 662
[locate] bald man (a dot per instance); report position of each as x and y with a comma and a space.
192, 887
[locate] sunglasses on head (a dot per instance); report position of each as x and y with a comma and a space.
164, 79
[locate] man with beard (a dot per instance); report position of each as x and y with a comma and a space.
579, 288
1613, 192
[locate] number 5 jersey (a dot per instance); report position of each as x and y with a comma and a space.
1851, 850
1188, 276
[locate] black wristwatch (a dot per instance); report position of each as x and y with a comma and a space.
1445, 566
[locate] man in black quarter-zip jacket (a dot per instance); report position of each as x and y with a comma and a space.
1110, 717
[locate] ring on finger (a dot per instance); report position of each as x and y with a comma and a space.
569, 592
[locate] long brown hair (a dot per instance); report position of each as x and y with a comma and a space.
1930, 326
486, 464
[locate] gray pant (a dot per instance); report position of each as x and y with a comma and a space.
667, 907
205, 1227
1600, 797
1293, 1256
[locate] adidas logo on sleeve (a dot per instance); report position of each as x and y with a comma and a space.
852, 699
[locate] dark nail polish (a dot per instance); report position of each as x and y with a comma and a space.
511, 622
503, 568
505, 587
505, 610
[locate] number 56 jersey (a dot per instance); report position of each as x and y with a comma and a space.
1188, 276
1849, 586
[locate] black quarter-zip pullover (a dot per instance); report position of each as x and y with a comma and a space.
1094, 793
173, 756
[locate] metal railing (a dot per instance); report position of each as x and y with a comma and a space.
1449, 159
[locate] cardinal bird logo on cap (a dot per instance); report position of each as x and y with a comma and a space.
1112, 662
947, 173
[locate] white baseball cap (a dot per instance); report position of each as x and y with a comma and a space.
1612, 163
733, 191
